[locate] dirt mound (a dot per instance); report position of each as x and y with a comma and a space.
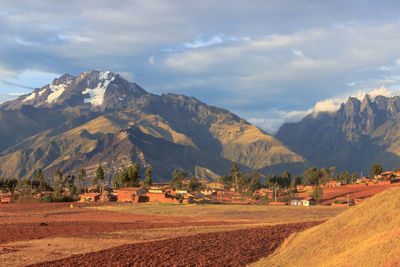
364, 235
229, 248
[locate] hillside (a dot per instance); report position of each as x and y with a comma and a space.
365, 235
98, 117
356, 136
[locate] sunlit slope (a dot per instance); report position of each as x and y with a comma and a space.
150, 124
45, 149
365, 235
251, 147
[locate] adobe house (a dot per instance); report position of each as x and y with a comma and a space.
161, 196
90, 197
387, 175
309, 202
296, 202
131, 194
300, 187
5, 199
207, 192
332, 184
92, 189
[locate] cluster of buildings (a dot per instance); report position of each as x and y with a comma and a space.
334, 193
162, 193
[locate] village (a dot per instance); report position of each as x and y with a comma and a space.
328, 193
334, 193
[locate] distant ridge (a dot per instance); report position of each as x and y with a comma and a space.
356, 136
99, 117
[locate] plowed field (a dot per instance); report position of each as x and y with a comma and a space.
35, 221
229, 248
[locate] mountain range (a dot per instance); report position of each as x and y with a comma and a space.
98, 117
356, 136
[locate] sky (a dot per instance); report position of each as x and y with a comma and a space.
270, 62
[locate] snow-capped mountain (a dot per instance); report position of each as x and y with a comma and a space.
94, 89
99, 117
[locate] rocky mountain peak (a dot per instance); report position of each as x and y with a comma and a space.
352, 106
94, 89
367, 105
64, 79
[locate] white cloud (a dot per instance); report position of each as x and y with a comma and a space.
15, 94
198, 43
151, 60
333, 104
328, 105
129, 76
279, 117
297, 52
271, 125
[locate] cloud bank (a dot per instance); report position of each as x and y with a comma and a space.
267, 62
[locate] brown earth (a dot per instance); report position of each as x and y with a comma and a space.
228, 248
39, 220
354, 192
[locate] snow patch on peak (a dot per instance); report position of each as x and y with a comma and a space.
56, 91
97, 94
30, 97
105, 75
42, 91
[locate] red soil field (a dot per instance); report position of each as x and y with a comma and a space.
228, 248
354, 192
35, 221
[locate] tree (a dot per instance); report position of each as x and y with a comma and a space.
59, 183
312, 176
70, 184
377, 169
129, 177
254, 183
134, 174
11, 184
193, 184
98, 180
177, 179
284, 180
234, 171
25, 185
225, 181
2, 184
297, 180
345, 177
332, 170
272, 181
242, 181
147, 180
39, 180
82, 176
317, 194
353, 177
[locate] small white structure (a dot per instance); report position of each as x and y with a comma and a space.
309, 202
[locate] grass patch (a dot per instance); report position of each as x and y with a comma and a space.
230, 212
364, 235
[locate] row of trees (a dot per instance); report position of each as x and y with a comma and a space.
130, 177
241, 182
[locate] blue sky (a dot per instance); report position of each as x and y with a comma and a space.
267, 61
